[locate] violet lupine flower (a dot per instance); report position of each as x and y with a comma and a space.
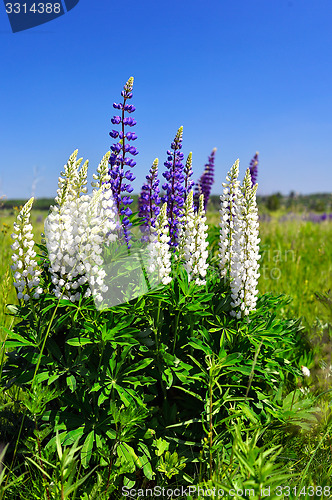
119, 161
188, 172
149, 200
253, 167
205, 182
175, 191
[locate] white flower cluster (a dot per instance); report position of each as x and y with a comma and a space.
192, 240
239, 236
75, 231
102, 176
229, 203
26, 273
305, 371
159, 249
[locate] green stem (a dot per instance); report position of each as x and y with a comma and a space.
41, 462
177, 317
210, 423
44, 342
251, 376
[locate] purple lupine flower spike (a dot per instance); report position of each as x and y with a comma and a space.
188, 172
204, 184
119, 159
174, 189
253, 167
149, 200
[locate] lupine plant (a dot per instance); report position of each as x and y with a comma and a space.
147, 392
205, 182
25, 272
174, 187
119, 159
192, 240
149, 201
253, 167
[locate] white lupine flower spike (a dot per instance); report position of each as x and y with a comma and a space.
192, 240
229, 205
245, 255
159, 249
25, 271
76, 230
238, 244
102, 176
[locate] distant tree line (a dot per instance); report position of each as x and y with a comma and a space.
318, 202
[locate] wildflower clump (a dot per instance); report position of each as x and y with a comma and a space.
76, 229
24, 267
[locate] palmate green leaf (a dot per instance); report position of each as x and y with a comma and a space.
249, 413
197, 307
74, 435
167, 377
127, 396
103, 396
16, 340
13, 309
138, 366
71, 382
187, 391
186, 422
198, 344
86, 451
140, 381
183, 281
145, 459
127, 453
79, 341
161, 446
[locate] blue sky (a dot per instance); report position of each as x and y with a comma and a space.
239, 75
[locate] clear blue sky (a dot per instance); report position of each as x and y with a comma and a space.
239, 75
